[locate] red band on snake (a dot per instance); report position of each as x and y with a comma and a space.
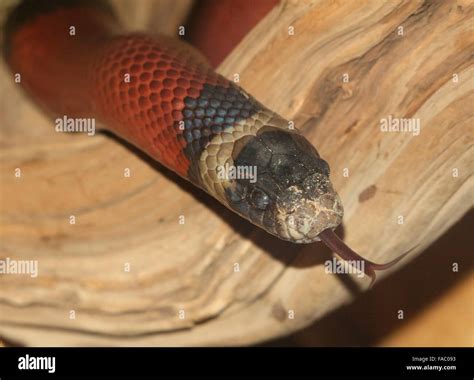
160, 94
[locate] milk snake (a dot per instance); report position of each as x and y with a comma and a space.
161, 95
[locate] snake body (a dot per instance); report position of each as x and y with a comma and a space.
160, 94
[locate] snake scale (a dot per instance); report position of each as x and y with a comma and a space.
161, 95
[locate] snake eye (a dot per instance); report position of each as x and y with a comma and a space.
260, 199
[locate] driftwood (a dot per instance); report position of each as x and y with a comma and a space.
128, 273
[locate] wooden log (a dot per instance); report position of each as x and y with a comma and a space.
128, 273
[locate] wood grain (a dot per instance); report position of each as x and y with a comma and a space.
190, 267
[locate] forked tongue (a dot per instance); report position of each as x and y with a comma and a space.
338, 246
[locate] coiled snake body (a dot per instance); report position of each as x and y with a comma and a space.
159, 94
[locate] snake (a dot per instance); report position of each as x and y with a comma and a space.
161, 95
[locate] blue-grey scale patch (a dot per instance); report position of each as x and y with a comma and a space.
216, 109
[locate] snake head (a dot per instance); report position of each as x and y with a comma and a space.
290, 195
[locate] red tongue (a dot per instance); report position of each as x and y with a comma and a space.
338, 246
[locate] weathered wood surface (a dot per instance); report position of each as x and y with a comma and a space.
190, 266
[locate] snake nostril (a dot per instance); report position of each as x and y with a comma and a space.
327, 201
